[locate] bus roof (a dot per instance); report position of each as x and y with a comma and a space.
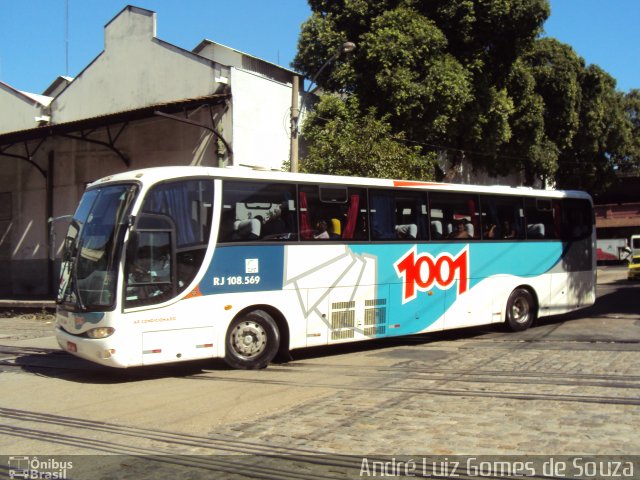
158, 174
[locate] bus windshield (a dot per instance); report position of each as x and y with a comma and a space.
92, 247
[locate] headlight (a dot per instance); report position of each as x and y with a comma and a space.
102, 332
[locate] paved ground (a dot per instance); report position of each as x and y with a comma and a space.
569, 386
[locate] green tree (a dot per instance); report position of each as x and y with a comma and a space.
629, 159
585, 126
556, 69
436, 71
602, 131
343, 141
487, 38
529, 148
467, 79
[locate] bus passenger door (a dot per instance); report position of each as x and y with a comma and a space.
316, 311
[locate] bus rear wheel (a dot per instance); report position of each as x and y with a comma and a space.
521, 310
252, 341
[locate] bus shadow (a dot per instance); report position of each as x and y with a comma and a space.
59, 364
622, 301
386, 345
64, 366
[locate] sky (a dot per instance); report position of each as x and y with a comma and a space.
37, 43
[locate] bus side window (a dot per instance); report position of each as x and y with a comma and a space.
332, 213
577, 219
502, 217
539, 213
187, 205
383, 222
150, 264
257, 211
458, 213
398, 215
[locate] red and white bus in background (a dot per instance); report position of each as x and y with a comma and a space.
613, 249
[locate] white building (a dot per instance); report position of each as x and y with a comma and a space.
141, 102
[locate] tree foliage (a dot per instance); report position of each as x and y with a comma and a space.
628, 160
584, 119
467, 76
343, 141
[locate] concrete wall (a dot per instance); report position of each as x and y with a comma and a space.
465, 173
23, 234
135, 70
19, 110
261, 113
22, 244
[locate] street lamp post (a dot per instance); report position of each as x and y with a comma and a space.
346, 47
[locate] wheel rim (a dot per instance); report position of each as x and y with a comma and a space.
249, 339
520, 310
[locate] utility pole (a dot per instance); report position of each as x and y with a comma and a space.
346, 47
295, 117
66, 38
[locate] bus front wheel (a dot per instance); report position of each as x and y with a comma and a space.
521, 310
252, 341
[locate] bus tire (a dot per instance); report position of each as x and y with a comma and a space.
521, 310
252, 341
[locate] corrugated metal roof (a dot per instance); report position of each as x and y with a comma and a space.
207, 42
111, 119
34, 97
41, 99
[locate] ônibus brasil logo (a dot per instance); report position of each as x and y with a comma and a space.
421, 271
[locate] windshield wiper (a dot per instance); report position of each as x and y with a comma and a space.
76, 288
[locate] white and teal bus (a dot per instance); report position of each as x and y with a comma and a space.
182, 263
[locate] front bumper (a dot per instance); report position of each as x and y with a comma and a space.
94, 350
